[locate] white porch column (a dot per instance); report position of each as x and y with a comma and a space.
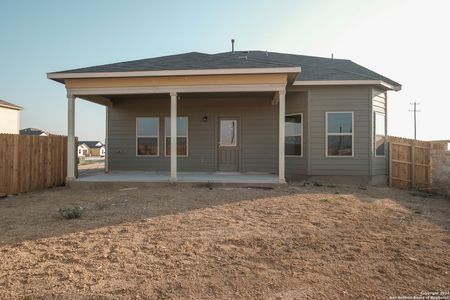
173, 136
70, 137
281, 138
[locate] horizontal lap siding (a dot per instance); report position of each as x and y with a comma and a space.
354, 99
379, 164
297, 102
258, 127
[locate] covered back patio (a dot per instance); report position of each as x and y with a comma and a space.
114, 90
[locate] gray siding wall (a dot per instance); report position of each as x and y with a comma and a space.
297, 102
354, 99
258, 132
379, 164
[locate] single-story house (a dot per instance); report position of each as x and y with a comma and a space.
82, 150
91, 148
9, 117
245, 112
34, 131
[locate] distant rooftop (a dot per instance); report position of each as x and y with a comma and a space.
91, 144
6, 104
34, 131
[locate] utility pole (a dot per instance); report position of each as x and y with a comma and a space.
415, 111
413, 147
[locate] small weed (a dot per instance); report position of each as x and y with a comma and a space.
328, 200
71, 212
361, 187
317, 183
331, 185
101, 206
336, 192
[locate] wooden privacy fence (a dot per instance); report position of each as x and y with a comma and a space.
29, 163
409, 163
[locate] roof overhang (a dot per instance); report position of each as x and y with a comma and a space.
379, 83
291, 71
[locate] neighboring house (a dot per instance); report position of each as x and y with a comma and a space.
246, 111
9, 117
82, 150
34, 131
91, 148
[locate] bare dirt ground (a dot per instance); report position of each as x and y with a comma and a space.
181, 242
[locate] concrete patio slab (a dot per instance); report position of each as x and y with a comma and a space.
141, 177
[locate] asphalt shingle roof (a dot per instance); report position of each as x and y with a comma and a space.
313, 68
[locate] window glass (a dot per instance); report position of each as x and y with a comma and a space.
147, 126
228, 130
380, 134
147, 145
293, 135
147, 135
339, 122
293, 145
339, 145
293, 125
182, 135
181, 146
182, 126
339, 134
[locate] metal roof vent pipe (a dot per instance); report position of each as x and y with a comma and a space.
232, 46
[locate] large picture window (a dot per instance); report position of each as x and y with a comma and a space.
339, 134
182, 136
293, 135
147, 136
380, 134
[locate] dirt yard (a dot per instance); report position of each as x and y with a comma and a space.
292, 242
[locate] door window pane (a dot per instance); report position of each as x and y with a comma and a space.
228, 130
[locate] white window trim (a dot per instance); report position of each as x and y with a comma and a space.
187, 137
375, 133
301, 135
340, 134
147, 136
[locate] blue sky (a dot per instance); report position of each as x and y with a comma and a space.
404, 40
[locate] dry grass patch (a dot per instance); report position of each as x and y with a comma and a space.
180, 242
